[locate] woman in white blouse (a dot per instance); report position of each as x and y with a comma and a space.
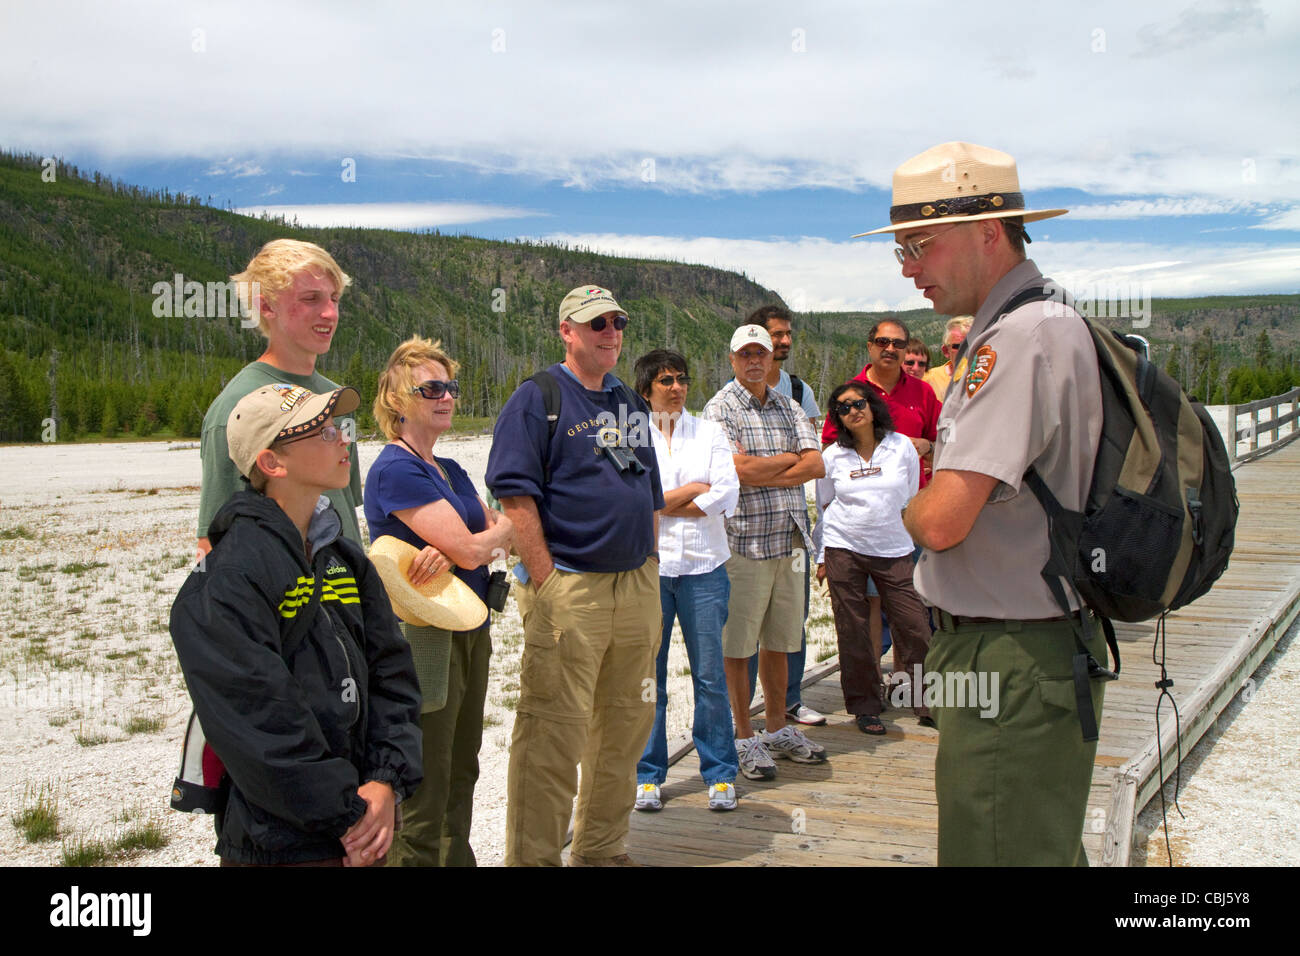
871, 473
700, 487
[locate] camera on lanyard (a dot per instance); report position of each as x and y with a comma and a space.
610, 440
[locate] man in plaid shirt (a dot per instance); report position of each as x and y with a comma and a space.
776, 452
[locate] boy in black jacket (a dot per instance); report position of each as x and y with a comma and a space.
318, 725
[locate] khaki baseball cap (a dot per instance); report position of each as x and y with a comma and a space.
275, 412
750, 335
587, 302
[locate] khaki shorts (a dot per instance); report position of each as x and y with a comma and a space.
766, 608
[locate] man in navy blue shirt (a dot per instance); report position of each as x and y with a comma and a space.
583, 500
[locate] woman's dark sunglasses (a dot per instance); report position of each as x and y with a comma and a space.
669, 380
598, 323
435, 389
845, 407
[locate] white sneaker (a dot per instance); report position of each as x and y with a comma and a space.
647, 797
755, 762
802, 714
790, 743
722, 796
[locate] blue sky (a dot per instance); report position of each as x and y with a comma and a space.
755, 136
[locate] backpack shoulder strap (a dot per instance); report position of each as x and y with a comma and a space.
550, 399
551, 403
796, 389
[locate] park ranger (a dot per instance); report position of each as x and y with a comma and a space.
1012, 787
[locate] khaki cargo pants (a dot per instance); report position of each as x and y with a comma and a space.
587, 685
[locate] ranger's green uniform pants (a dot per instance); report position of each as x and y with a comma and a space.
1013, 787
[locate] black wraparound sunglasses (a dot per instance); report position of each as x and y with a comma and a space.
433, 389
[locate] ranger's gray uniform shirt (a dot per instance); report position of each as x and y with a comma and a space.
1039, 405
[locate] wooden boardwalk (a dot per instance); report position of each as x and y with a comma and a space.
873, 803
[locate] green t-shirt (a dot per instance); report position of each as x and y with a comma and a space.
221, 479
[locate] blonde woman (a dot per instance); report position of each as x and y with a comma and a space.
430, 502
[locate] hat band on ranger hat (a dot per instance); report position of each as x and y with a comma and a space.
958, 206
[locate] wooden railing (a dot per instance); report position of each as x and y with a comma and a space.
1249, 433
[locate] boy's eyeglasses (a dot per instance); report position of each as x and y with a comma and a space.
911, 362
329, 434
434, 389
845, 407
598, 323
668, 381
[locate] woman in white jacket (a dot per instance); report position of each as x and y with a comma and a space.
871, 473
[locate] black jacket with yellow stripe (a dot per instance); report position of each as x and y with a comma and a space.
298, 728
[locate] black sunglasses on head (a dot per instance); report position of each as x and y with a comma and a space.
434, 389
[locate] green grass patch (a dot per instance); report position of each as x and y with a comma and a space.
83, 851
509, 701
17, 533
827, 654
91, 738
81, 567
144, 725
62, 720
491, 720
141, 836
39, 817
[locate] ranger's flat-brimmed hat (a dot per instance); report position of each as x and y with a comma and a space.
275, 412
586, 303
446, 601
957, 182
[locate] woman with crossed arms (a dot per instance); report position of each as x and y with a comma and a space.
700, 486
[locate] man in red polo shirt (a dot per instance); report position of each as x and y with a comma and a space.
911, 402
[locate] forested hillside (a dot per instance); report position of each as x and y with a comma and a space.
81, 343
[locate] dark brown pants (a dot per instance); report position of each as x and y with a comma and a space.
860, 675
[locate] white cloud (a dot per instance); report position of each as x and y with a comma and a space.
389, 215
1162, 206
1202, 22
1288, 219
236, 168
863, 275
721, 101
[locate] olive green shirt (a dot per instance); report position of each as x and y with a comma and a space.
220, 477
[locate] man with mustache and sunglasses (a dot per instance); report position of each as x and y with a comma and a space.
582, 493
912, 403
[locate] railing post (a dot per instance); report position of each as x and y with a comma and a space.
1232, 434
1254, 429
